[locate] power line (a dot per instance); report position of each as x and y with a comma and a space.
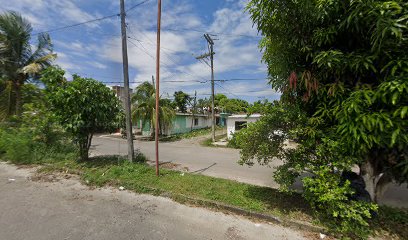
136, 5
89, 21
226, 90
77, 24
212, 33
167, 54
165, 65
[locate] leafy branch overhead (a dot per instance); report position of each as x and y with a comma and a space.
342, 68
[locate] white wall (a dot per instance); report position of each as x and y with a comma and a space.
203, 122
231, 123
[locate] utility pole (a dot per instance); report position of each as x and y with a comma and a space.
129, 133
211, 55
157, 84
194, 109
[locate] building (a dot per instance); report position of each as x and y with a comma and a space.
236, 122
120, 93
182, 123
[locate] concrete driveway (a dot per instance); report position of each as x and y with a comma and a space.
67, 210
218, 162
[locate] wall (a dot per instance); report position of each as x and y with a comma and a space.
231, 123
182, 124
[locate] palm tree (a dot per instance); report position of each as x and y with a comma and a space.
144, 107
18, 62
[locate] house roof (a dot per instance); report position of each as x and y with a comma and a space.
256, 115
190, 114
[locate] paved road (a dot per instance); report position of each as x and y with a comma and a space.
216, 162
219, 162
67, 210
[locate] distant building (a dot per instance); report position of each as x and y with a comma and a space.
120, 93
182, 123
237, 122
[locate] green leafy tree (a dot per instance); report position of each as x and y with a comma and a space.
181, 101
342, 69
19, 63
82, 106
144, 107
203, 105
233, 105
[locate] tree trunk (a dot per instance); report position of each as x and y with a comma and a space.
17, 90
376, 184
84, 146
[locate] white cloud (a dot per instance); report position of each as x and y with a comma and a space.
237, 55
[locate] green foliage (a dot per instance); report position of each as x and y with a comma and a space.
181, 100
342, 68
144, 105
18, 61
22, 143
82, 106
233, 105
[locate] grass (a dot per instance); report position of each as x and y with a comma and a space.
208, 142
116, 171
188, 135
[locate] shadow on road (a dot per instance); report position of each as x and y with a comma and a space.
204, 169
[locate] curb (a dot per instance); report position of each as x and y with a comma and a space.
180, 198
242, 212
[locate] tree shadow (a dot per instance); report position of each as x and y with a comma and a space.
274, 200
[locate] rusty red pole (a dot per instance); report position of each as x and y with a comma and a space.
157, 128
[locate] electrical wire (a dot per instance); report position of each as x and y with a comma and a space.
136, 5
77, 24
212, 33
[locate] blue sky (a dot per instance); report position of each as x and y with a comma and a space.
94, 50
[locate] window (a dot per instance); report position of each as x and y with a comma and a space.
240, 125
195, 121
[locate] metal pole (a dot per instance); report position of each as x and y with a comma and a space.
126, 83
157, 85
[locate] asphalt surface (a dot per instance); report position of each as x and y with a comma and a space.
211, 161
218, 162
65, 209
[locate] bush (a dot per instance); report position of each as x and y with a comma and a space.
333, 204
16, 146
22, 145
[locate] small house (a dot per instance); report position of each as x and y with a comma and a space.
237, 122
182, 123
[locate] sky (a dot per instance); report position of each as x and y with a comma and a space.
94, 50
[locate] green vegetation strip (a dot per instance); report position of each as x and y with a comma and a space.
211, 192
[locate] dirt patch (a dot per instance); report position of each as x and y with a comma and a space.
169, 165
52, 176
233, 234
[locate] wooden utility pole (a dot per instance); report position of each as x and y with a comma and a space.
211, 55
129, 133
157, 84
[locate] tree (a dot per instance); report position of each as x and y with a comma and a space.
82, 106
203, 105
233, 105
18, 61
342, 69
181, 100
218, 98
144, 105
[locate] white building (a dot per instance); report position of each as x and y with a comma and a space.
238, 121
